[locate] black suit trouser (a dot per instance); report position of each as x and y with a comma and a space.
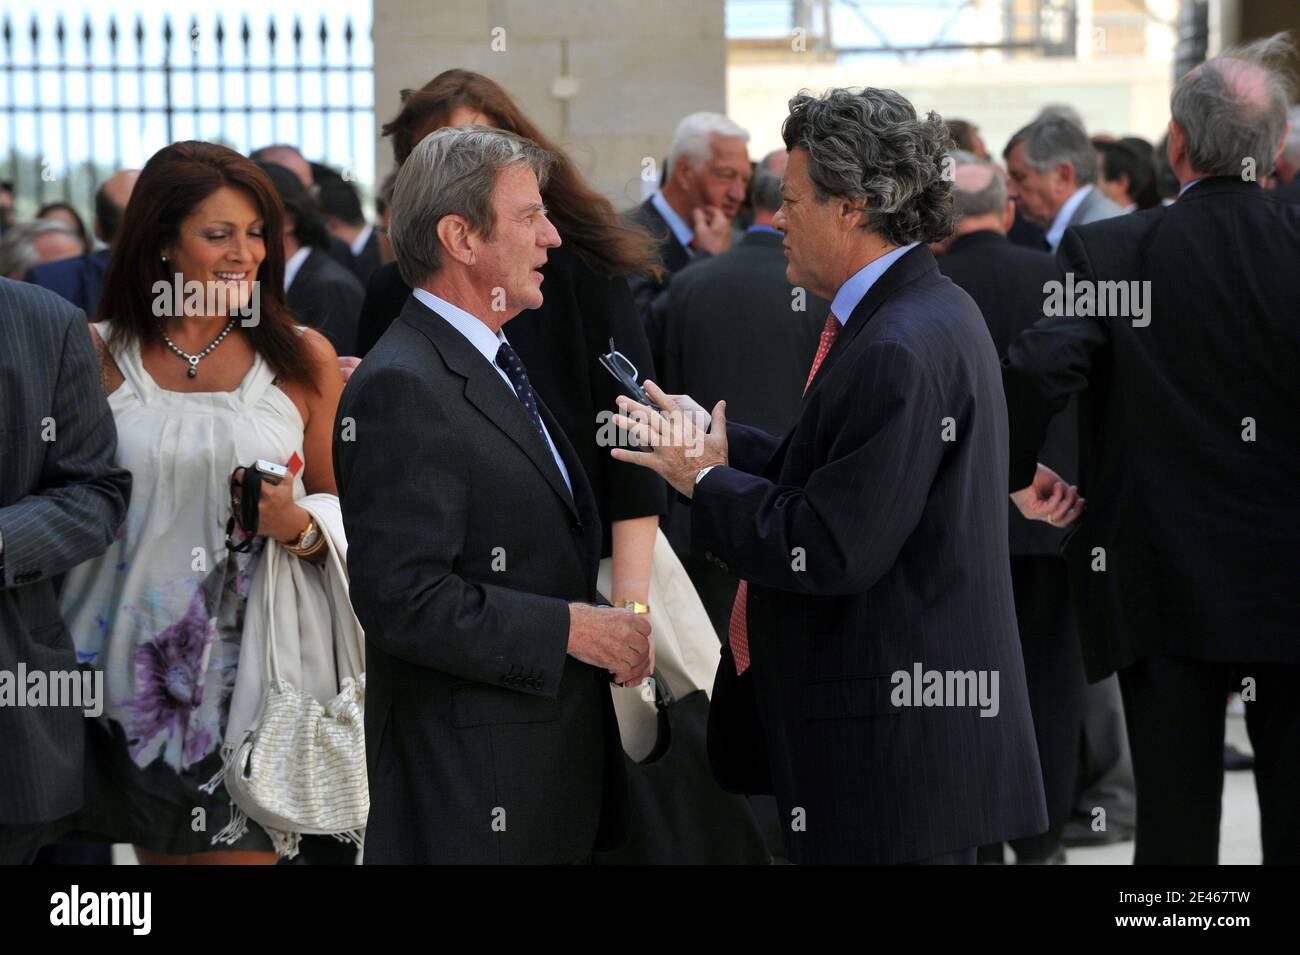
1175, 711
1049, 643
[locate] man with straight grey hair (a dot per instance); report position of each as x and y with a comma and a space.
1052, 166
1186, 562
1006, 281
705, 184
474, 542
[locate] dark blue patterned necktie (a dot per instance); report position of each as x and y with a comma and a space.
509, 362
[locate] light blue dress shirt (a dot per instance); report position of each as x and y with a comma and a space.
683, 232
853, 291
1057, 232
487, 344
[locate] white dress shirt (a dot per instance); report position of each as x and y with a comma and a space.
487, 344
358, 245
292, 266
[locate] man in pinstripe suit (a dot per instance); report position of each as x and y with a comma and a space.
62, 500
872, 539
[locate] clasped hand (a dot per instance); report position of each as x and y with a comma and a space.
1048, 498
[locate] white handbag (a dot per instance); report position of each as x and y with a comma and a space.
686, 646
302, 768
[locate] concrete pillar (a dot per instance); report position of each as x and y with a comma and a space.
608, 79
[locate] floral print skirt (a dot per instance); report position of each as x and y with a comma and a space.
148, 760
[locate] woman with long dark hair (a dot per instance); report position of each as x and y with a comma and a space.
206, 372
586, 302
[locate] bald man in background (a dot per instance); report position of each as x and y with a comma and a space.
290, 158
79, 279
1186, 563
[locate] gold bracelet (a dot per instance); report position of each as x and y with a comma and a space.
633, 605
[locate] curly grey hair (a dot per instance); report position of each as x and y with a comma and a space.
869, 144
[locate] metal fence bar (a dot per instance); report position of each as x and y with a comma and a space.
38, 121
11, 108
91, 131
38, 99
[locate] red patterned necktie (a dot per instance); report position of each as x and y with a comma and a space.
738, 630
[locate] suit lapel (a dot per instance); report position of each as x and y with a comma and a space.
582, 499
910, 267
486, 391
674, 254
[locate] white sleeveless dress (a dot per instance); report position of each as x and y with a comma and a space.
161, 612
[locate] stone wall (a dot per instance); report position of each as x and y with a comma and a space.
609, 79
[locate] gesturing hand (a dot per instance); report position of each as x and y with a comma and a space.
679, 447
1049, 499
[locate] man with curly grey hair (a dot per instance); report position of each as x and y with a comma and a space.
876, 609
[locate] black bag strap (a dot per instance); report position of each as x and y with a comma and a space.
245, 494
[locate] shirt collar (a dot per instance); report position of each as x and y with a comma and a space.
362, 238
1186, 187
683, 232
479, 335
763, 228
1065, 214
853, 291
294, 264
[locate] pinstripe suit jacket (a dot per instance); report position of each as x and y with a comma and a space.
874, 538
62, 500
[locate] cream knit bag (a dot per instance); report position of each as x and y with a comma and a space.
301, 769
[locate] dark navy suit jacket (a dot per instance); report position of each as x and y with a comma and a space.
874, 538
78, 279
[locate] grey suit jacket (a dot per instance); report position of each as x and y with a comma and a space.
1094, 208
62, 500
